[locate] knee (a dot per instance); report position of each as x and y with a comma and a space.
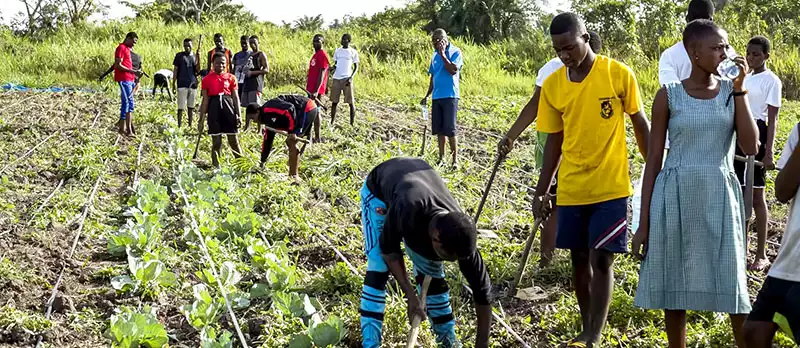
376, 280
438, 286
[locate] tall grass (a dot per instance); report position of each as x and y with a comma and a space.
394, 61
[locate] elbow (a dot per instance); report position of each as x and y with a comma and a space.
782, 196
750, 149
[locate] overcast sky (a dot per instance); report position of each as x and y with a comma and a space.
271, 10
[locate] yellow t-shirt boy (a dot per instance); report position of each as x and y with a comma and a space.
594, 162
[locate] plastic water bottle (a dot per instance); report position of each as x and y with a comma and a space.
728, 68
425, 112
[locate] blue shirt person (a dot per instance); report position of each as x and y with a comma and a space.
445, 71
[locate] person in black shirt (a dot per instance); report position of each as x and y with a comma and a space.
254, 71
185, 70
291, 113
405, 200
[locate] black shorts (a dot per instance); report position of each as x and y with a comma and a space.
759, 174
443, 116
778, 296
221, 116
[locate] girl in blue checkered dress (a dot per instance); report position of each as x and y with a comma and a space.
691, 230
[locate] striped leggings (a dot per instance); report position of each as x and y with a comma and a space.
373, 295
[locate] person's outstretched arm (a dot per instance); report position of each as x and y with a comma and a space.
525, 118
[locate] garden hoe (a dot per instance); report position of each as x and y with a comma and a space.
415, 323
424, 129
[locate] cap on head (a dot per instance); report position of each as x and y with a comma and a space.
595, 41
697, 30
567, 22
762, 41
457, 233
700, 9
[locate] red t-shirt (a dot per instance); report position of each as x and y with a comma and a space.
123, 52
318, 61
216, 84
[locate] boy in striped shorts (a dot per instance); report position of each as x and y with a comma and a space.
404, 201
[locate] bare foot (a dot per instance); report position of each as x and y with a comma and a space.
759, 265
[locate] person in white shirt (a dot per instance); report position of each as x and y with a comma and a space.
345, 66
674, 64
764, 95
526, 117
778, 302
161, 80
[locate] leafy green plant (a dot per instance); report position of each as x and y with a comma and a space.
273, 260
134, 329
210, 339
140, 234
151, 197
205, 310
147, 275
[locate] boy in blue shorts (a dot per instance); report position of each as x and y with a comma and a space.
583, 106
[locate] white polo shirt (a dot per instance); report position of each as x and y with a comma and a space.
787, 264
763, 90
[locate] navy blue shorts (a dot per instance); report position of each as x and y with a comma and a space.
443, 116
602, 226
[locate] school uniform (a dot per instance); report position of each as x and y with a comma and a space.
763, 90
593, 179
399, 199
221, 115
696, 251
779, 298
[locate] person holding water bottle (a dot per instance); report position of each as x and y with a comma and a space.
691, 229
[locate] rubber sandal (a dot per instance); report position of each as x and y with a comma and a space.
580, 344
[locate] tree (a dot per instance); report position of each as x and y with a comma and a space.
486, 20
77, 11
41, 18
197, 11
614, 20
309, 23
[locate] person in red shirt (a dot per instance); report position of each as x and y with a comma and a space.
224, 115
317, 76
125, 75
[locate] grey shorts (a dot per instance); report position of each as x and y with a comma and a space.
443, 116
250, 97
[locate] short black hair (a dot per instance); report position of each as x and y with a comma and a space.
131, 35
346, 37
253, 37
457, 233
761, 41
243, 37
700, 9
698, 29
318, 36
567, 22
217, 36
595, 41
188, 39
217, 55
